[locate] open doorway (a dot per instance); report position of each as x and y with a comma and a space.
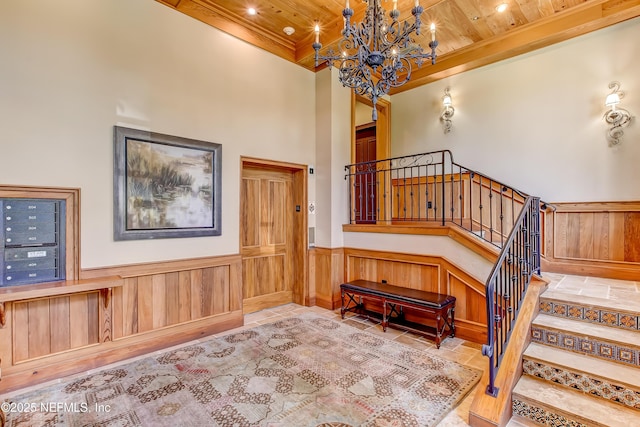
370, 144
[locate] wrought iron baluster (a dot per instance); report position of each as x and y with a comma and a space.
490, 210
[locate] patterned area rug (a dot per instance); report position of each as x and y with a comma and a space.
302, 371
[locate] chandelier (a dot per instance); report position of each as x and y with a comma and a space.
375, 56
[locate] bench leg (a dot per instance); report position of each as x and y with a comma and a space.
385, 318
438, 331
452, 325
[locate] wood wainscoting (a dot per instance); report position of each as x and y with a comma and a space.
331, 267
326, 273
115, 313
426, 273
594, 239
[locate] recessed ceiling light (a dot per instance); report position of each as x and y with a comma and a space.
252, 11
501, 7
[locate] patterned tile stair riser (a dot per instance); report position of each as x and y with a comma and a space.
543, 416
586, 345
583, 382
302, 371
587, 313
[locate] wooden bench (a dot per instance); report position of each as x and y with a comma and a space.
437, 309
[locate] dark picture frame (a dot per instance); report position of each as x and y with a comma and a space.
165, 186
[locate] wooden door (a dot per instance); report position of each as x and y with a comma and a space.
267, 242
365, 202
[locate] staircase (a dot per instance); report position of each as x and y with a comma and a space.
582, 367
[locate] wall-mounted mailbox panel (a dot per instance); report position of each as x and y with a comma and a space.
33, 241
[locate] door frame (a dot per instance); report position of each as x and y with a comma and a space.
300, 223
383, 148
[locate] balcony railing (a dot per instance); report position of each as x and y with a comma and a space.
432, 187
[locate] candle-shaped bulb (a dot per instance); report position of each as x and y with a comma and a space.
417, 3
347, 5
395, 4
317, 30
433, 32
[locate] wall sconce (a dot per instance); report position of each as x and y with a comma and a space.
448, 111
617, 118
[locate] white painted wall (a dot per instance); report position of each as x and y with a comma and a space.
72, 69
535, 121
333, 152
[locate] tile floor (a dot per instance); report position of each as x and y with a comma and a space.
455, 349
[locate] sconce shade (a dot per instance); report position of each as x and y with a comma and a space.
612, 99
446, 101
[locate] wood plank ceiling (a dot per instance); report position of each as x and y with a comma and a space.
471, 33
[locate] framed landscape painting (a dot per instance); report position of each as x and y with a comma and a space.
165, 186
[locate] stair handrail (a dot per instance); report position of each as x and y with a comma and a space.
518, 260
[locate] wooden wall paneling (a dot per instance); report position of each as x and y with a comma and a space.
172, 289
130, 324
38, 328
208, 291
145, 298
78, 310
106, 315
632, 236
20, 331
93, 317
559, 234
429, 273
222, 303
585, 236
600, 237
184, 296
158, 301
616, 235
310, 298
62, 333
337, 275
60, 324
573, 236
323, 271
235, 286
384, 271
594, 238
117, 320
196, 293
329, 274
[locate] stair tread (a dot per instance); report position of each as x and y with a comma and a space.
518, 421
606, 333
582, 405
615, 372
615, 305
